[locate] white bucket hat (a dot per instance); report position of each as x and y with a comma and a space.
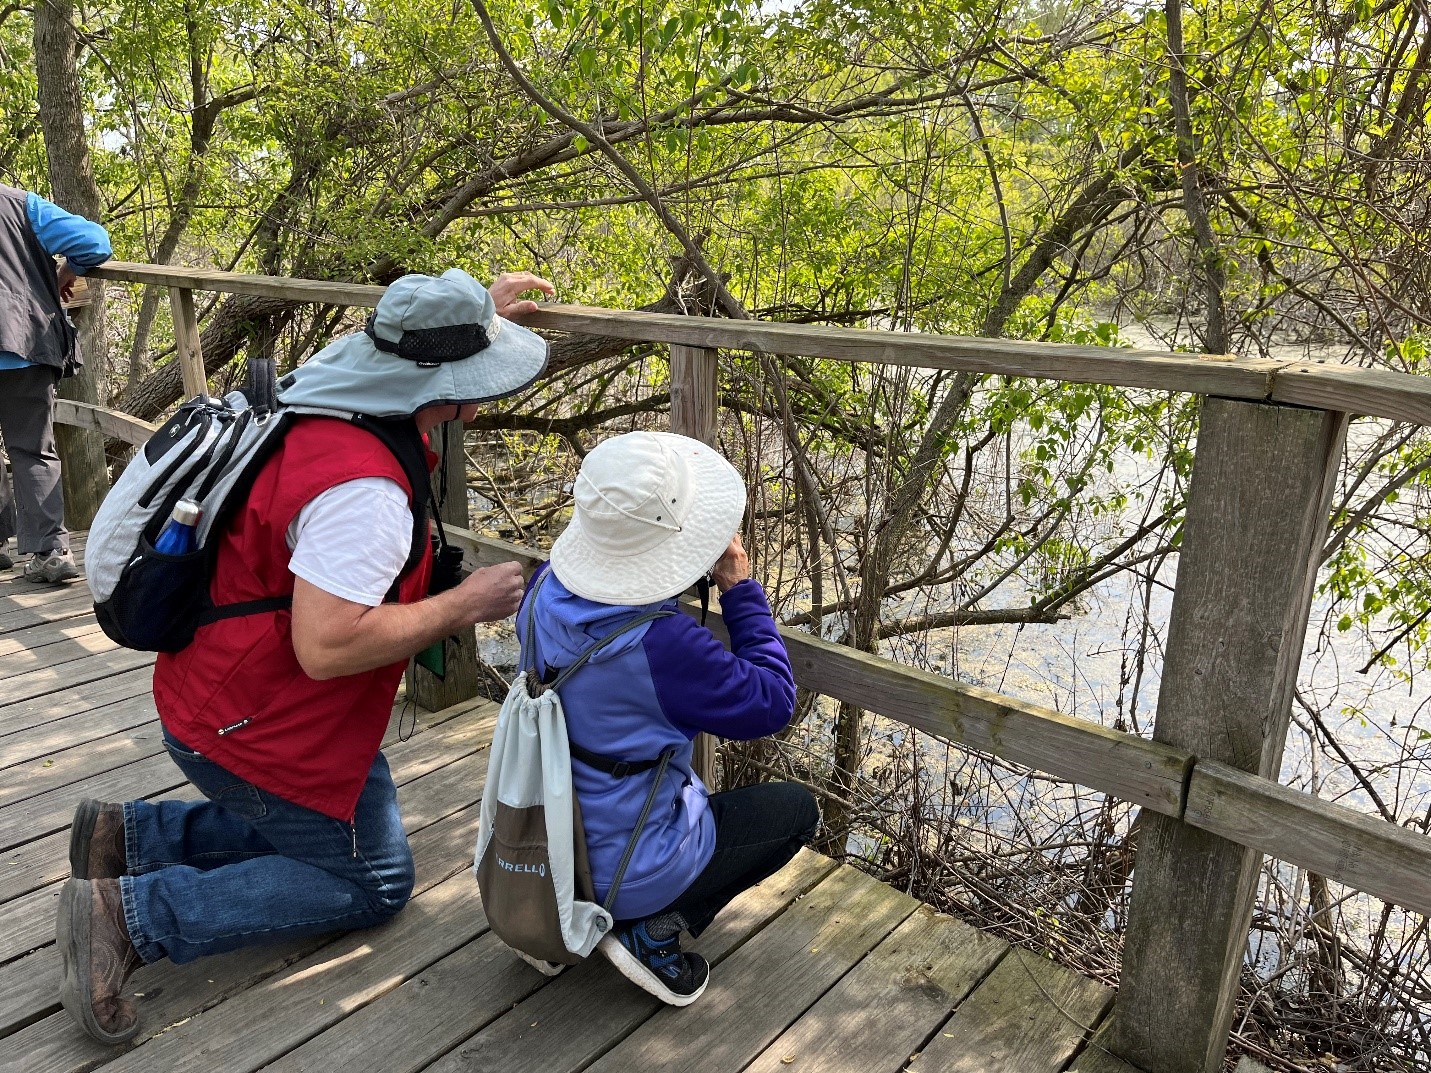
432, 340
653, 513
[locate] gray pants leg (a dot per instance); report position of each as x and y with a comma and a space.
7, 507
27, 408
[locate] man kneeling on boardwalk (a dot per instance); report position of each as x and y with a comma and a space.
277, 717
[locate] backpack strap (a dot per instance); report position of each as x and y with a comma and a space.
618, 768
534, 679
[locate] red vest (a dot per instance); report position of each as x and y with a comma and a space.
237, 693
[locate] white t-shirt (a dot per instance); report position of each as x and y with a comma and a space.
352, 539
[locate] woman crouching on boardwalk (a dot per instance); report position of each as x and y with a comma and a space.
655, 513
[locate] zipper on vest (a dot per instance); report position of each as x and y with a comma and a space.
353, 826
233, 726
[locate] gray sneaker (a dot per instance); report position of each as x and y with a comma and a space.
51, 566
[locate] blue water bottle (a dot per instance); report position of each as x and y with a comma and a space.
178, 536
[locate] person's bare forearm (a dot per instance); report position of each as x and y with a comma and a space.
333, 637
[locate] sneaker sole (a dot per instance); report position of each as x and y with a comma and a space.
630, 967
72, 928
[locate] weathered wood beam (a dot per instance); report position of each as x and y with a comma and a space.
190, 354
1363, 852
1373, 392
1257, 517
207, 279
113, 423
694, 411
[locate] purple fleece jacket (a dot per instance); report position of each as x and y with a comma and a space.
656, 687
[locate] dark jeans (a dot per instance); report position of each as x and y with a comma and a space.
248, 867
758, 830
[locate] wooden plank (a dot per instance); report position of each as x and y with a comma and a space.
694, 398
1148, 773
1257, 518
67, 766
1374, 392
206, 279
694, 413
261, 1024
171, 993
42, 741
1360, 851
18, 593
1029, 1016
49, 812
1097, 1058
1202, 374
1349, 389
186, 342
29, 923
74, 601
890, 1002
89, 668
30, 658
38, 638
115, 424
45, 860
765, 985
562, 1030
435, 1011
408, 1028
48, 707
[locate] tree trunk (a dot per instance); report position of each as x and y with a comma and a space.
72, 186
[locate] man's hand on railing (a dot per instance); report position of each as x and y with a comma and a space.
508, 285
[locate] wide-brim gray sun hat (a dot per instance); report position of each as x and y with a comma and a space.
653, 512
433, 340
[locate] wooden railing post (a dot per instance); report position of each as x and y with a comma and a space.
186, 342
1256, 522
693, 414
459, 681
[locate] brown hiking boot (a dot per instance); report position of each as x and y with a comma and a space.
96, 958
97, 841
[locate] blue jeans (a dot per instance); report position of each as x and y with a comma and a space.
247, 867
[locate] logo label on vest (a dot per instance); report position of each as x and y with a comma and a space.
513, 866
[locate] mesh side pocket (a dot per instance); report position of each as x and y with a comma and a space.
156, 604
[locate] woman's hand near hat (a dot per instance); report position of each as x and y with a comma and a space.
508, 285
732, 567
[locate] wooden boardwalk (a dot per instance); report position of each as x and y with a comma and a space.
819, 969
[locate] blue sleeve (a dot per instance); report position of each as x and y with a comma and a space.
745, 693
83, 243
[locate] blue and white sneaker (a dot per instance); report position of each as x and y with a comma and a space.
659, 966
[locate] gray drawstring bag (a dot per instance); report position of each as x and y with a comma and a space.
531, 862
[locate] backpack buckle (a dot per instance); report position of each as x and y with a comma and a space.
621, 769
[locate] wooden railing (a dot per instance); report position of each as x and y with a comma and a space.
1270, 439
